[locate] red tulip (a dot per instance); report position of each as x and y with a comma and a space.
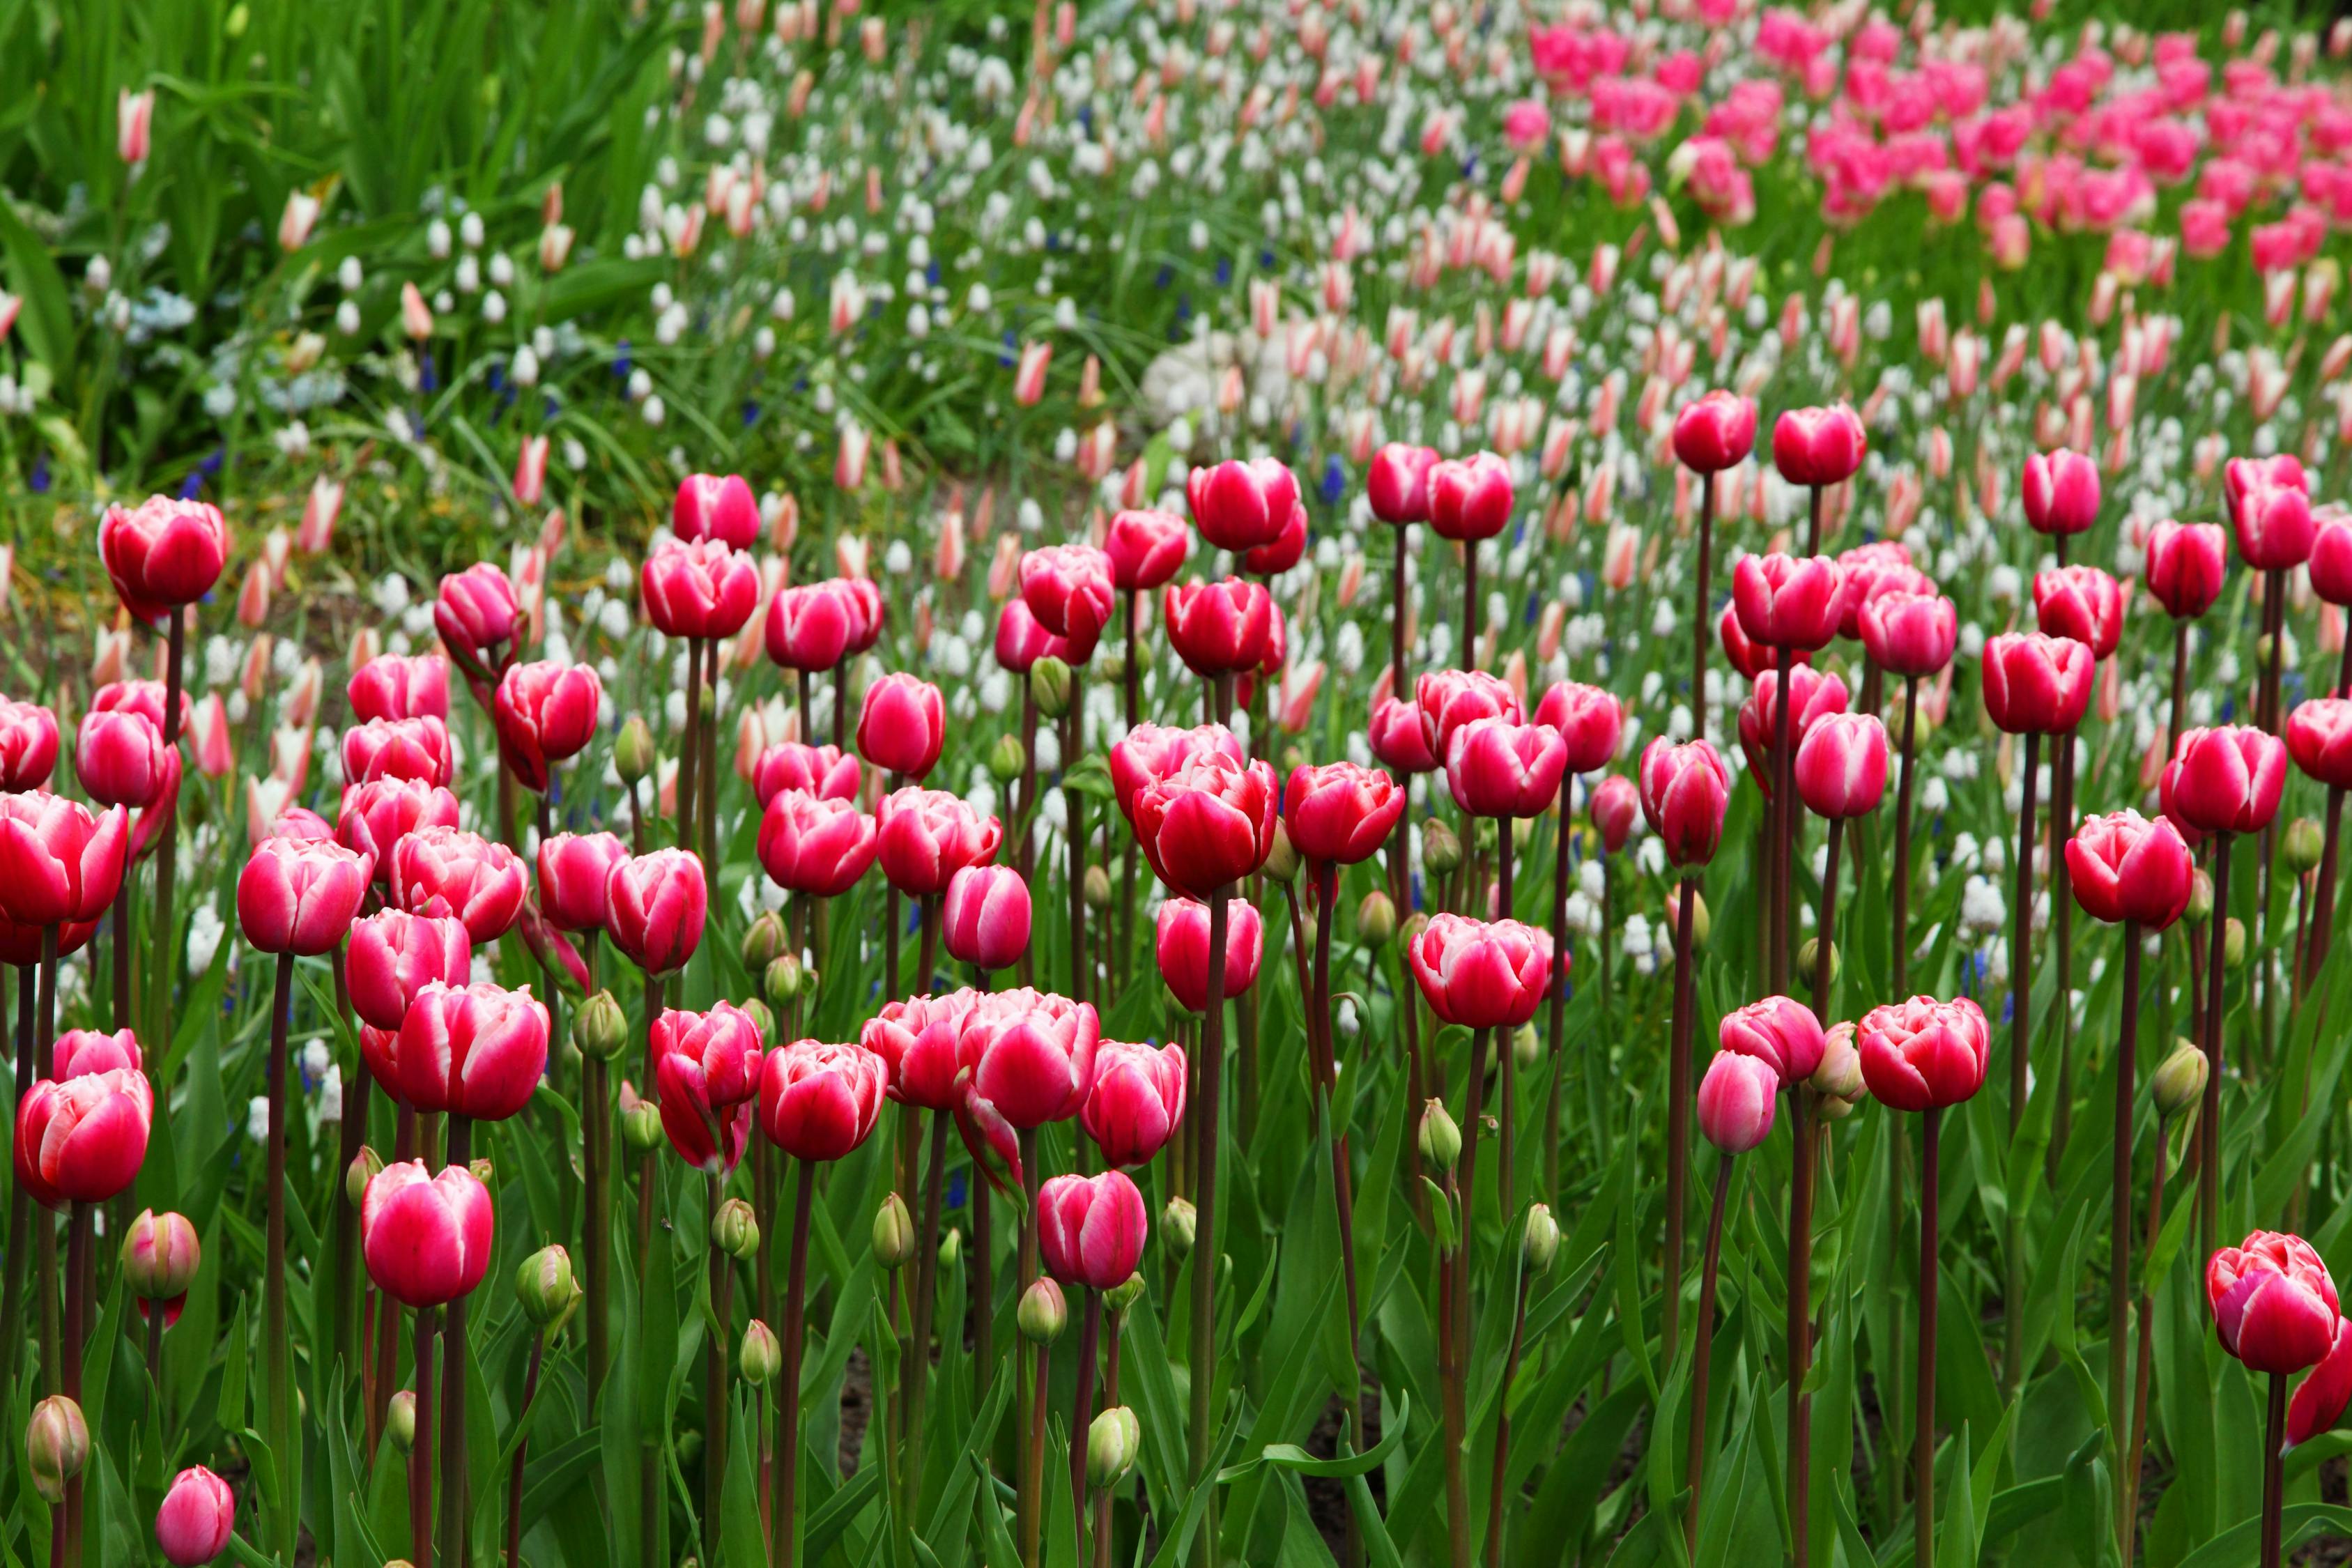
472, 1050
2230, 778
394, 955
2319, 739
808, 627
819, 1101
2242, 475
814, 845
1069, 588
1145, 549
2274, 1305
924, 837
1813, 697
2274, 526
82, 1139
2124, 868
902, 726
2080, 602
1239, 506
21, 944
120, 759
1481, 974
1149, 752
545, 713
1840, 765
655, 907
1873, 571
58, 863
28, 745
825, 770
1496, 768
920, 1041
162, 554
2035, 684
1449, 699
2320, 1399
1398, 738
866, 611
1340, 812
1021, 640
574, 871
1181, 941
198, 1516
699, 590
708, 506
299, 897
2061, 492
1779, 1031
377, 815
1750, 658
79, 1052
1219, 628
1091, 1229
1910, 634
2331, 555
1136, 1103
1819, 446
476, 612
397, 748
1590, 722
1616, 806
1030, 1056
397, 685
985, 920
1397, 483
705, 1064
1924, 1053
426, 1239
1686, 789
1716, 432
1738, 1100
1284, 552
1470, 498
1208, 824
1785, 602
2186, 564
446, 872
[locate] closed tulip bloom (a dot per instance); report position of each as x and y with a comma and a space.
1910, 634
1090, 1229
1841, 767
1784, 601
1873, 571
545, 713
2186, 564
1149, 752
1496, 768
2319, 739
1240, 505
57, 863
2061, 490
1398, 738
2124, 868
1145, 549
1136, 1103
1069, 588
1590, 722
120, 759
2241, 475
1180, 941
28, 745
397, 748
81, 1051
1819, 446
376, 816
299, 897
1750, 658
699, 590
1397, 482
21, 944
476, 611
1813, 697
1021, 638
2080, 602
2320, 1399
1340, 812
162, 552
985, 918
1923, 1053
1208, 824
705, 1064
2035, 684
1686, 789
1777, 1030
1738, 1100
473, 1050
920, 1043
394, 955
1470, 498
400, 686
1616, 806
2274, 526
575, 872
161, 1255
1219, 628
82, 1139
2230, 778
2331, 555
1481, 974
814, 845
1449, 699
866, 611
808, 627
448, 871
2274, 1305
198, 1516
1031, 1055
902, 726
710, 1139
825, 770
714, 506
655, 907
1287, 549
426, 1239
924, 837
1715, 432
819, 1101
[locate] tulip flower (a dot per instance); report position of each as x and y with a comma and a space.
574, 871
703, 590
376, 816
2127, 869
299, 897
706, 1066
78, 1052
2331, 556
57, 863
654, 907
2186, 564
924, 837
447, 872
1180, 942
119, 756
807, 628
823, 771
2319, 739
814, 845
1399, 739
1340, 812
477, 1051
1091, 1229
162, 554
397, 748
1145, 549
1397, 482
1069, 588
1470, 498
1287, 549
1813, 697
2035, 684
1239, 505
2082, 603
1219, 628
819, 1101
1788, 602
1495, 767
1873, 571
985, 918
28, 745
426, 1238
2230, 778
1910, 635
1616, 806
1819, 446
82, 1140
397, 685
2061, 490
476, 614
713, 506
919, 1040
1207, 825
901, 726
545, 713
1737, 1097
1591, 722
1480, 974
198, 1516
1714, 433
1450, 699
394, 955
2274, 525
1841, 767
1686, 790
2274, 1305
1136, 1102
1779, 1032
1030, 1056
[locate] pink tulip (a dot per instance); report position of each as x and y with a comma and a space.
296, 896
1496, 768
1145, 549
122, 759
1616, 806
2319, 739
1873, 571
1208, 824
2061, 490
1910, 634
1841, 767
1136, 1103
82, 1140
819, 1101
476, 614
2122, 867
1590, 722
426, 1239
57, 862
2186, 564
2331, 555
1397, 482
397, 686
394, 955
1219, 628
1340, 812
808, 627
28, 745
1398, 740
198, 1516
705, 1064
1813, 697
2274, 526
2229, 778
902, 726
1283, 553
1779, 1031
924, 837
1069, 588
1786, 602
574, 871
1686, 790
1239, 506
1715, 433
162, 554
376, 816
920, 1041
815, 845
1091, 1229
654, 907
79, 1052
2273, 1304
447, 872
709, 506
1181, 944
530, 482
2080, 602
1738, 1100
1921, 1054
2035, 684
1450, 699
1470, 498
1021, 640
1030, 1056
1819, 446
208, 733
472, 1050
1481, 974
700, 589
823, 771
545, 713
397, 748
985, 918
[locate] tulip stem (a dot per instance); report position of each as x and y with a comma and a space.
2144, 1354
1678, 1100
1074, 827
1082, 1415
784, 1543
20, 1200
1496, 1517
2209, 1123
1799, 1327
651, 1520
917, 1373
709, 819
1109, 1400
2021, 1055
1923, 1446
1469, 604
1702, 1352
77, 1307
1902, 889
1039, 1357
522, 1443
1343, 1198
1408, 998
1204, 1243
420, 1452
689, 748
596, 1233
1784, 823
277, 1350
1506, 1045
1454, 1329
2062, 931
163, 942
350, 1303
2274, 1471
45, 1233
1825, 927
2323, 902
2119, 1210
123, 953
1556, 989
1700, 628
455, 1481
714, 1373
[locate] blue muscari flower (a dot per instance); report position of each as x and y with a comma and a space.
212, 463
1007, 357
750, 412
1165, 277
427, 379
1265, 259
1417, 900
1470, 167
496, 377
189, 487
1224, 270
931, 275
621, 360
954, 1198
1335, 480
1535, 607
1053, 240
1087, 116
2229, 708
1183, 307
549, 406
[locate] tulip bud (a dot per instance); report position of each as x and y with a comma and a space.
1124, 1294
782, 980
482, 1171
1049, 684
1542, 1243
1441, 1139
2233, 944
1441, 851
950, 1249
56, 1445
1112, 1442
159, 1256
1111, 667
761, 1357
764, 943
2179, 1081
633, 757
362, 1170
1042, 1313
1701, 924
1832, 1108
2262, 651
1178, 1225
2200, 899
735, 1230
600, 1028
1410, 931
641, 1128
1281, 854
2303, 844
761, 1018
1006, 759
1097, 888
1525, 1049
1808, 953
1376, 920
545, 1286
400, 1420
893, 1232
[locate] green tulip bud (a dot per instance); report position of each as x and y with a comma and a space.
634, 756
1414, 924
1701, 923
56, 1445
782, 980
545, 1286
159, 1256
735, 1230
1376, 920
1837, 1108
482, 1171
400, 1420
1282, 856
1808, 953
1111, 665
239, 18
950, 1247
1097, 888
761, 1018
2233, 944
2305, 842
1113, 1440
359, 1173
763, 943
1124, 1294
1043, 1314
1523, 832
1526, 1049
1178, 1225
760, 1357
893, 1232
2179, 1081
1542, 1243
1441, 1137
1049, 684
1441, 851
1006, 759
641, 1128
600, 1028
2200, 899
